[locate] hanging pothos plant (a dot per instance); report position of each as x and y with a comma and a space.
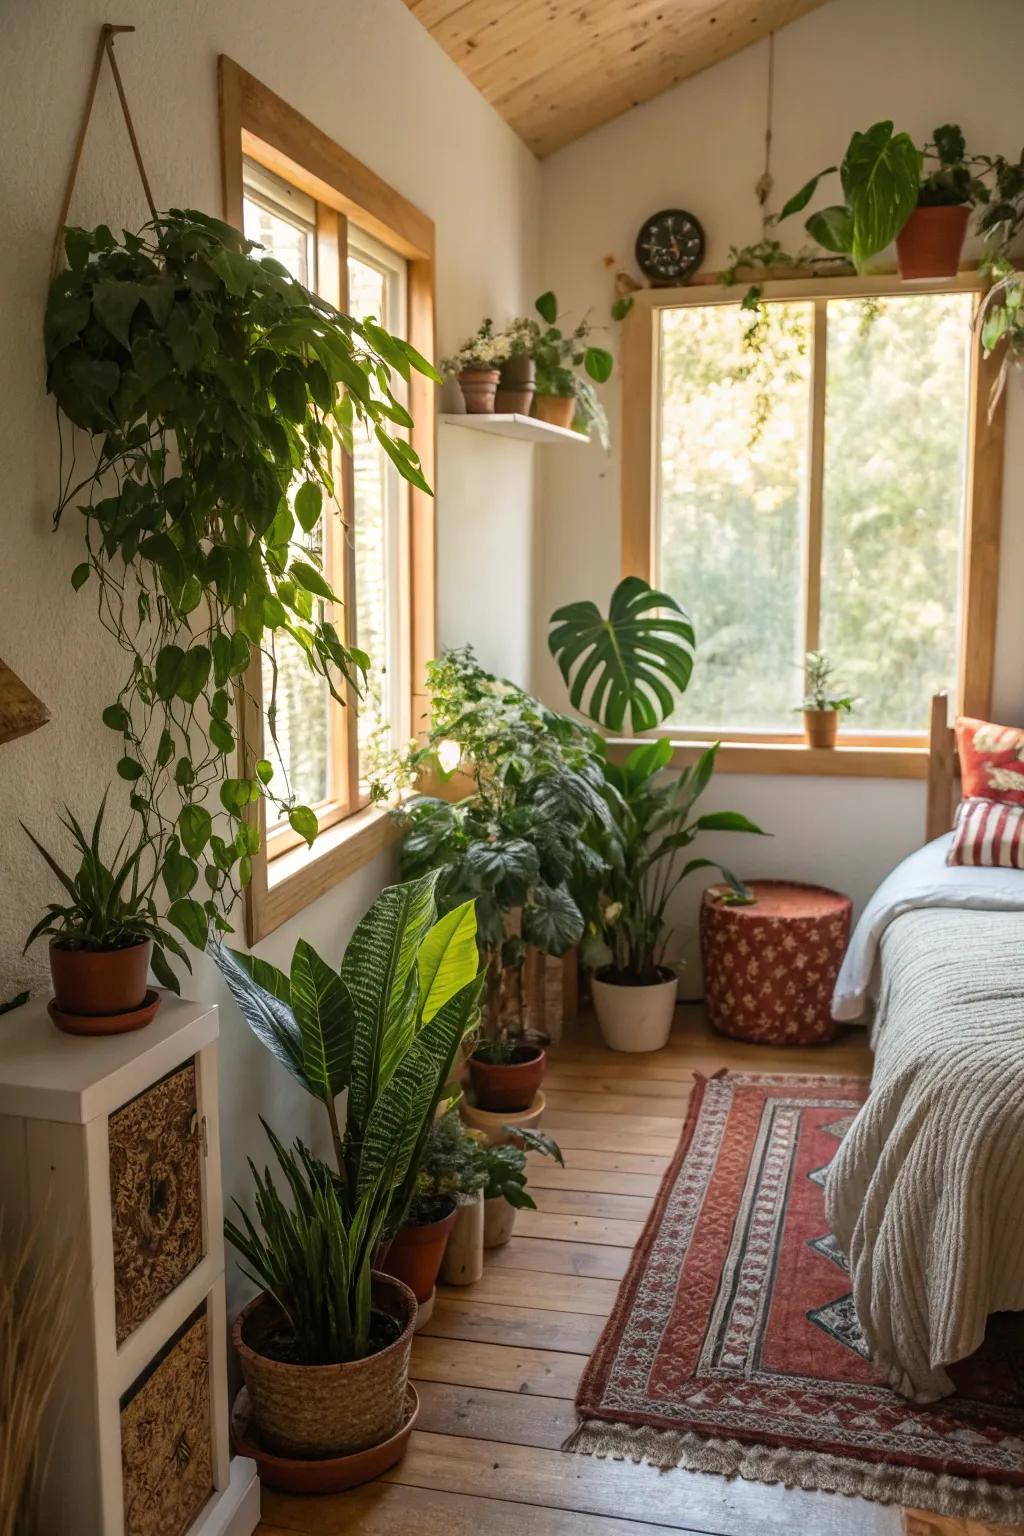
216, 393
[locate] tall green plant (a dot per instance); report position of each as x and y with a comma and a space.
385, 1028
216, 393
655, 826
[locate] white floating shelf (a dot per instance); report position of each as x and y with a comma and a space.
528, 429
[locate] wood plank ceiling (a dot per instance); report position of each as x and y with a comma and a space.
555, 69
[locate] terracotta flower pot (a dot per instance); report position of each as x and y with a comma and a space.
557, 410
100, 982
635, 1018
498, 1129
326, 1410
511, 1085
820, 727
516, 390
415, 1254
463, 1260
930, 242
478, 387
499, 1222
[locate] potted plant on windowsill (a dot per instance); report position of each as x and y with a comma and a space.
102, 940
822, 704
633, 986
385, 1028
505, 1191
477, 367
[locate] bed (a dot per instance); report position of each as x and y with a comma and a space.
925, 1192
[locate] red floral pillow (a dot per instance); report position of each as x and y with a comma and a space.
991, 761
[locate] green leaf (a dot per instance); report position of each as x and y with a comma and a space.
80, 575
114, 304
638, 659
881, 173
191, 919
165, 749
184, 773
129, 769
303, 821
728, 821
447, 958
832, 228
547, 307
290, 393
117, 718
265, 1009
195, 825
77, 247
552, 921
311, 580
193, 673
236, 794
264, 771
308, 505
67, 314
800, 199
599, 363
326, 1019
622, 306
511, 865
222, 736
179, 875
167, 672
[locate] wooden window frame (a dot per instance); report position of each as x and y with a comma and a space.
258, 125
861, 755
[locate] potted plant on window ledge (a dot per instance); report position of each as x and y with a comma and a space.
822, 704
931, 241
564, 396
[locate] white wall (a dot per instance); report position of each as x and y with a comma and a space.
701, 147
365, 72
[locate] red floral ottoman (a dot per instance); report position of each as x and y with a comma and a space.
769, 969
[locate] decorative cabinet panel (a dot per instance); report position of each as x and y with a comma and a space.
166, 1434
110, 1145
156, 1196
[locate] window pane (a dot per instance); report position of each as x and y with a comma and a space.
368, 295
730, 510
895, 459
302, 703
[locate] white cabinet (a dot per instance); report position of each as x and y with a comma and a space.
110, 1145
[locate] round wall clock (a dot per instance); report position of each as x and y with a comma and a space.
670, 246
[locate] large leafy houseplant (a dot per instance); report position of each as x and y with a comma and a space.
217, 394
385, 1029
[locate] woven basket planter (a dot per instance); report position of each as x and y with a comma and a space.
327, 1410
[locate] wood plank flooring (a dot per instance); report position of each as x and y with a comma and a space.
497, 1366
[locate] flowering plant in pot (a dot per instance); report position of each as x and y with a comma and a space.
822, 702
505, 1190
477, 366
516, 843
103, 938
385, 1028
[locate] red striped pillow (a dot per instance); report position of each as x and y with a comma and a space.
989, 832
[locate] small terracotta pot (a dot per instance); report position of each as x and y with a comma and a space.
499, 1222
931, 241
463, 1261
326, 1410
508, 1086
516, 390
415, 1254
557, 410
479, 386
820, 727
100, 982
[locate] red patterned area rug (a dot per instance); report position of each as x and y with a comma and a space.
733, 1346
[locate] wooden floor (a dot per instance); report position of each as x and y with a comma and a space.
497, 1366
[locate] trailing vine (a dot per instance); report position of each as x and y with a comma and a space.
216, 393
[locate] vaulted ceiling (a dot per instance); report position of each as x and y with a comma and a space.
555, 69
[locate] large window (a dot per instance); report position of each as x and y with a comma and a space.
776, 547
830, 482
364, 248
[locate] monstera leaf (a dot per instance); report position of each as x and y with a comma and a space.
638, 658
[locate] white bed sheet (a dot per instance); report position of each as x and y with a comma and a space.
922, 880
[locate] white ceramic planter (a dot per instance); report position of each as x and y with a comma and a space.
463, 1261
499, 1222
635, 1018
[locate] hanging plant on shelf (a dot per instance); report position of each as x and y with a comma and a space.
216, 393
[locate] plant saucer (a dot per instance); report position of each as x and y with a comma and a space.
106, 1023
333, 1474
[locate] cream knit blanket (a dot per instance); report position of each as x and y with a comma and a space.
926, 1192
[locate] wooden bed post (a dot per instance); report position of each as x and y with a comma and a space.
941, 769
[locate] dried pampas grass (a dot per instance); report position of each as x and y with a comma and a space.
35, 1325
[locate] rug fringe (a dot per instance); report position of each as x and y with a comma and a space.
966, 1498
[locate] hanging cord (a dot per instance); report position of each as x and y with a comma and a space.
105, 46
765, 182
